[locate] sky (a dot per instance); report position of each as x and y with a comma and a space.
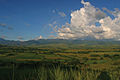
43, 19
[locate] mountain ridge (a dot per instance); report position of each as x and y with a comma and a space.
58, 41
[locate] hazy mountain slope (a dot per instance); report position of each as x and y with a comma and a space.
60, 41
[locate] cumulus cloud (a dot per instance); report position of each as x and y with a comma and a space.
115, 13
83, 24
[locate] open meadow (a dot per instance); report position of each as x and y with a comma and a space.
44, 63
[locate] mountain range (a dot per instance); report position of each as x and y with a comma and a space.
59, 41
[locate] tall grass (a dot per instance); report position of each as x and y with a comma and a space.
59, 73
63, 73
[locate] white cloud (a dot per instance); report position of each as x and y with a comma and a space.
51, 37
40, 37
54, 26
62, 14
53, 23
83, 24
115, 13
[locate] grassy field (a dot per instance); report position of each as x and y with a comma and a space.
50, 63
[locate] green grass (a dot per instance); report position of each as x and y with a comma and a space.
96, 61
55, 63
58, 73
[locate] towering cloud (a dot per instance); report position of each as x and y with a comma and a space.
91, 22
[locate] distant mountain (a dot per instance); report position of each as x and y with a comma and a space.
2, 39
9, 42
59, 41
47, 41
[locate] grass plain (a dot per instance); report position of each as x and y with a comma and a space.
59, 63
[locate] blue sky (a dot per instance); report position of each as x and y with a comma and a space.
28, 19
